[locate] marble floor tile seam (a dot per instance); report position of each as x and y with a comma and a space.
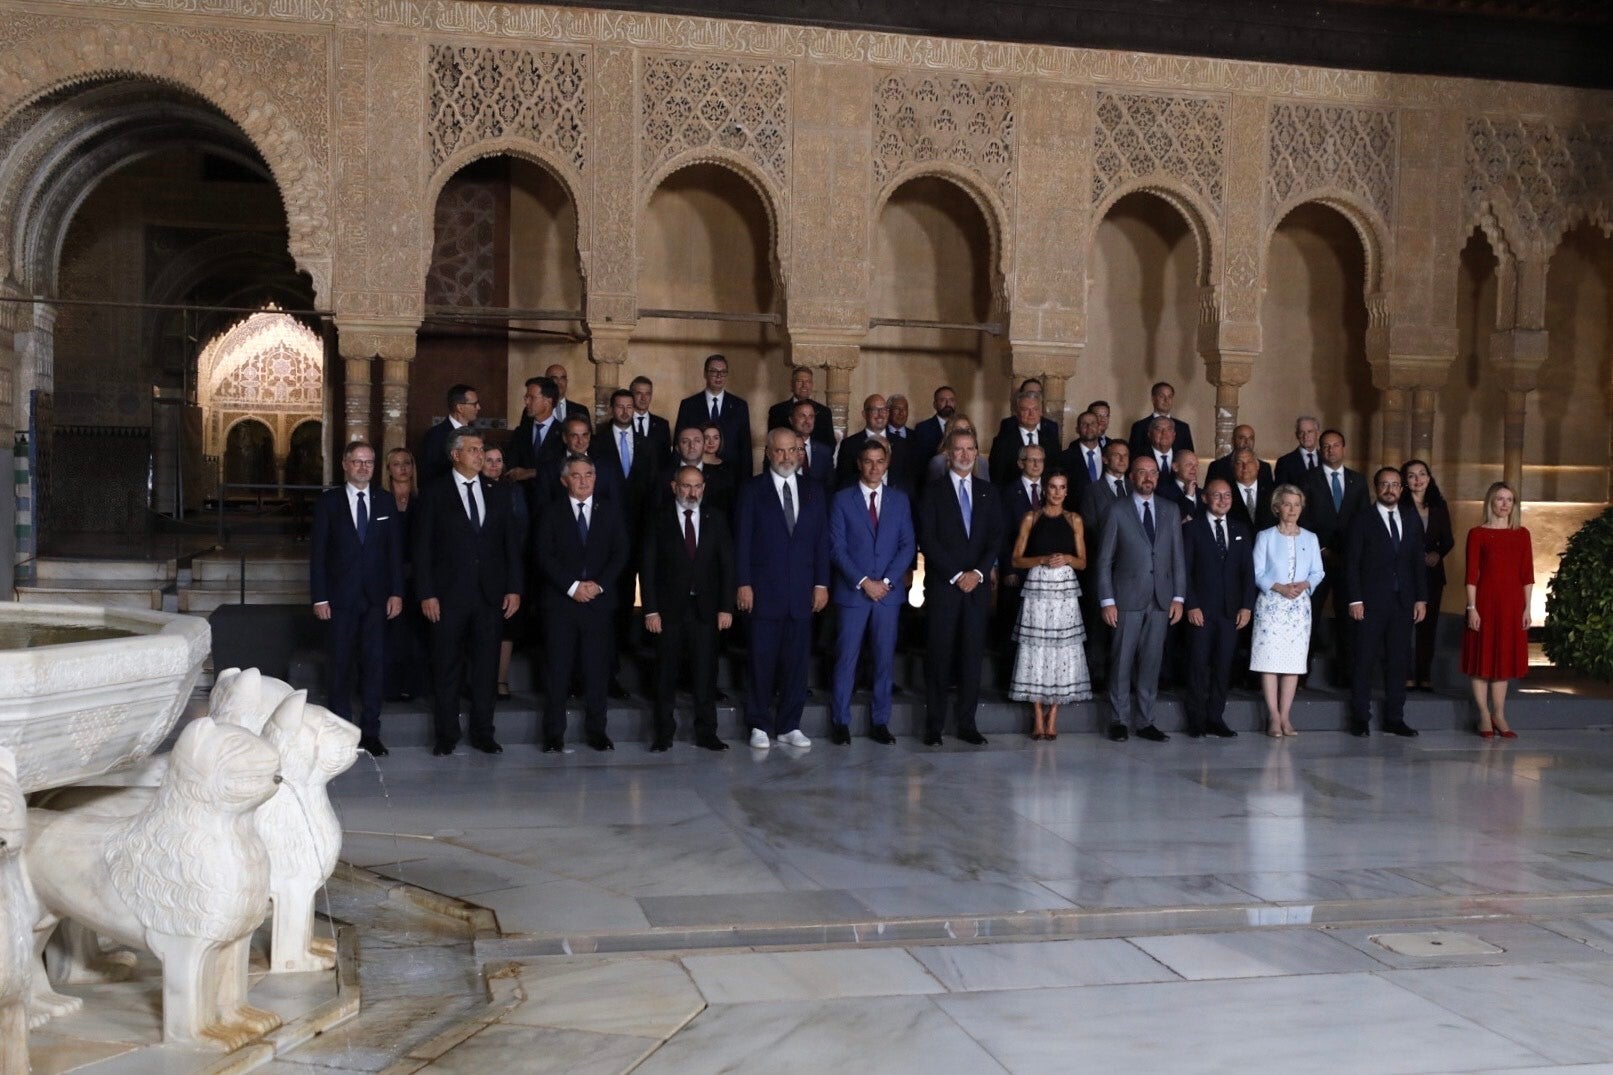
1451, 911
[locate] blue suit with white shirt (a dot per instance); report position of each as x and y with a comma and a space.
861, 548
355, 577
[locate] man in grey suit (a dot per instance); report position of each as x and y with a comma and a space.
1142, 580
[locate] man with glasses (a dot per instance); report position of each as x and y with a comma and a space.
1219, 551
464, 407
730, 413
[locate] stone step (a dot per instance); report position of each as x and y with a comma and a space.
111, 593
259, 567
77, 569
203, 597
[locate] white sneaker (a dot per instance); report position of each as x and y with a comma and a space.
795, 739
759, 739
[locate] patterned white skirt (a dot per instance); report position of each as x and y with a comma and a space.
1282, 635
1050, 665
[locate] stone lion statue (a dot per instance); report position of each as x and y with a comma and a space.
19, 914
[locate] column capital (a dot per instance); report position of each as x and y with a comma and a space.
1516, 355
362, 339
1042, 358
1399, 369
1228, 369
827, 348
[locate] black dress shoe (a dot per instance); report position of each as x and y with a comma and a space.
932, 739
972, 737
1402, 729
660, 746
1193, 733
1118, 733
882, 734
1221, 731
554, 746
601, 742
722, 696
617, 691
487, 746
372, 745
1360, 731
1152, 734
709, 742
442, 748
839, 734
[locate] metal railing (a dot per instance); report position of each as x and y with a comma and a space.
299, 498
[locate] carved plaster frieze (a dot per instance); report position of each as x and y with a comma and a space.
1141, 136
1528, 180
483, 93
690, 103
1315, 148
962, 122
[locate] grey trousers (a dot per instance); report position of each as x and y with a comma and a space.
1135, 654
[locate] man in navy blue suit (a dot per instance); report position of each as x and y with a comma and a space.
871, 543
960, 530
1025, 426
928, 433
781, 565
730, 413
355, 576
464, 405
1386, 586
1219, 551
1164, 399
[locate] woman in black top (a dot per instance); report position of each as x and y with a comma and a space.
1438, 540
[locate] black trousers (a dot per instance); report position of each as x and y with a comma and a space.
464, 651
1426, 633
688, 639
354, 650
1209, 669
956, 641
577, 638
1384, 636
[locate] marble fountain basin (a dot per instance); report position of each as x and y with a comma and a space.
71, 710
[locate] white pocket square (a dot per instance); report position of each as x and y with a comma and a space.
384, 518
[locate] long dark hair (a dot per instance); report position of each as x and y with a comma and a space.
1433, 498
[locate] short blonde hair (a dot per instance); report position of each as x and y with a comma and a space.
1286, 489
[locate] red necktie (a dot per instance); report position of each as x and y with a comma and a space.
688, 532
873, 508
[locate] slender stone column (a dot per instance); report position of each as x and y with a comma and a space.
1423, 402
607, 350
1053, 364
394, 403
361, 343
356, 397
837, 352
1229, 371
1396, 427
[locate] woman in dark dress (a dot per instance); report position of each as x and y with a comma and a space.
1438, 540
405, 642
1050, 666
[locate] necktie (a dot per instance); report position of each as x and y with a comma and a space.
362, 522
1221, 536
965, 506
1249, 503
624, 448
1148, 521
1120, 489
689, 543
873, 509
1036, 496
538, 432
470, 503
638, 425
1310, 460
716, 410
1338, 492
1394, 526
789, 508
1030, 438
1092, 464
1164, 462
582, 524
806, 458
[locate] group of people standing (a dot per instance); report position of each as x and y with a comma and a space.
1110, 548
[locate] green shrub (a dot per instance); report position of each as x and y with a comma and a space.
1579, 602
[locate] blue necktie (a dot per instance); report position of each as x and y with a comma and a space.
625, 450
1338, 492
582, 524
1092, 464
362, 522
966, 507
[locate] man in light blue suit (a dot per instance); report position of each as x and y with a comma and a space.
871, 544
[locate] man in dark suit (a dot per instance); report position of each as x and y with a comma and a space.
468, 573
689, 450
1164, 397
779, 415
647, 424
928, 433
960, 531
1142, 584
1160, 446
876, 416
817, 459
1251, 491
464, 405
536, 440
1386, 588
1100, 407
686, 579
1219, 553
1182, 486
567, 408
730, 413
580, 548
871, 544
1099, 496
899, 409
635, 472
576, 442
1293, 467
1334, 495
781, 557
1025, 426
355, 576
1242, 437
1083, 459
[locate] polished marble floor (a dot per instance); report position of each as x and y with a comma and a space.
1187, 906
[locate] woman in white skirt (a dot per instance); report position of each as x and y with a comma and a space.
1288, 566
1050, 667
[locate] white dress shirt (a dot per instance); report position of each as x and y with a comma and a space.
588, 517
475, 492
352, 502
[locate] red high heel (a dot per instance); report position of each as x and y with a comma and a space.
1486, 733
1506, 733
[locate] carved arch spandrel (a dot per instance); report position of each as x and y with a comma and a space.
1000, 256
1372, 230
774, 202
1188, 205
86, 52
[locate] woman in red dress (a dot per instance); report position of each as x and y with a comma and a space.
1500, 581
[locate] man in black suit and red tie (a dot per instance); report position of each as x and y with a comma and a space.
729, 412
960, 533
580, 549
355, 576
1219, 552
646, 424
686, 579
1386, 590
779, 414
1164, 398
468, 574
